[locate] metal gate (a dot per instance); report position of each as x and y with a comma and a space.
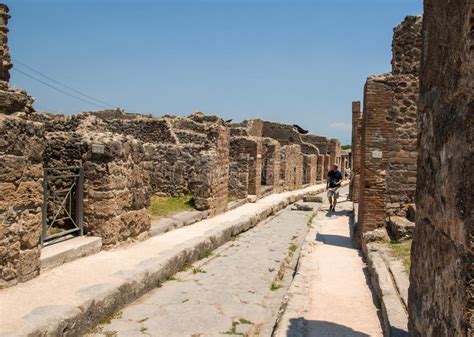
62, 203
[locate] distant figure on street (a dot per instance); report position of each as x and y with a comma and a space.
333, 184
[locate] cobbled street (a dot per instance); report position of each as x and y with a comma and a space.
237, 290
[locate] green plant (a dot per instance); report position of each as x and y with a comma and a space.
275, 286
198, 270
205, 255
402, 251
233, 330
293, 247
161, 207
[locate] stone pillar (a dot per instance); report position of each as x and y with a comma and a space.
246, 166
441, 294
271, 157
389, 131
21, 177
320, 168
375, 136
356, 150
327, 165
5, 62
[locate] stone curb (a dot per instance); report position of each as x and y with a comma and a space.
102, 300
395, 316
297, 301
291, 267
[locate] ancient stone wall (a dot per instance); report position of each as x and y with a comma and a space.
291, 167
441, 294
21, 177
375, 136
21, 173
271, 163
309, 169
335, 152
287, 135
116, 182
356, 151
320, 175
327, 165
246, 166
5, 60
322, 143
211, 191
389, 132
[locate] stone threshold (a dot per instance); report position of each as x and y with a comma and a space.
69, 250
74, 297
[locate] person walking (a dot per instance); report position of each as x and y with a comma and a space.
333, 184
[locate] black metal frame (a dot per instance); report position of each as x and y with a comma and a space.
64, 202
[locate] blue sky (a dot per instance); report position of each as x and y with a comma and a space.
295, 61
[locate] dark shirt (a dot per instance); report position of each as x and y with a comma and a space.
334, 178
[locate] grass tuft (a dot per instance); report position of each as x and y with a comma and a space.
198, 270
162, 207
275, 286
293, 247
205, 255
402, 251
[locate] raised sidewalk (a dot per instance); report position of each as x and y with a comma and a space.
70, 299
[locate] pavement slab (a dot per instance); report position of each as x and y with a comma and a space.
331, 293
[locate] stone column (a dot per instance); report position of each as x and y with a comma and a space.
356, 150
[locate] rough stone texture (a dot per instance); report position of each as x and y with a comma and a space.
356, 151
309, 169
116, 183
441, 295
320, 174
400, 229
271, 163
327, 165
291, 167
406, 46
5, 62
335, 152
21, 173
389, 133
246, 166
322, 143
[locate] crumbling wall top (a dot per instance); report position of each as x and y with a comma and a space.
406, 46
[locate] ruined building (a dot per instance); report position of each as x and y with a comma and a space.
385, 134
94, 173
441, 295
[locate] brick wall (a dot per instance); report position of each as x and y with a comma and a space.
375, 136
356, 150
441, 294
389, 132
